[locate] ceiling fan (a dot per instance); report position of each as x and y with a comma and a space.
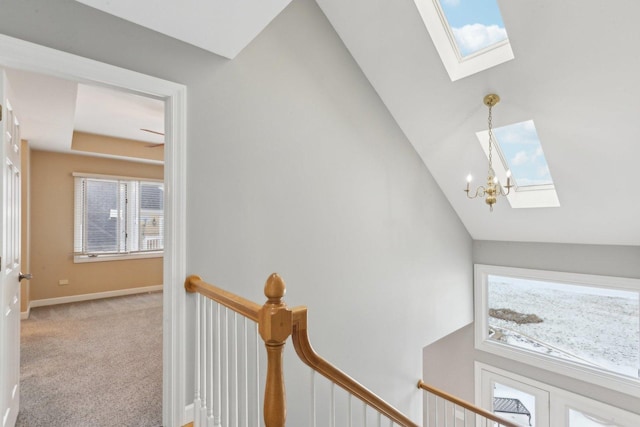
154, 132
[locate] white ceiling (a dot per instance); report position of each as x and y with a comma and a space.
105, 111
51, 109
575, 73
222, 27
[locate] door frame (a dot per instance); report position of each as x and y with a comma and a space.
22, 55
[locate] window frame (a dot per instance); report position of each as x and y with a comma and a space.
554, 411
593, 375
78, 222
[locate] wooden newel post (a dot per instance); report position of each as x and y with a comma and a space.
275, 324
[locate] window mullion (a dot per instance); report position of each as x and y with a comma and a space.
121, 205
85, 215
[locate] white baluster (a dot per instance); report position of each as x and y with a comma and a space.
349, 408
258, 342
244, 419
225, 369
332, 407
364, 414
204, 336
217, 403
312, 411
209, 362
196, 396
236, 405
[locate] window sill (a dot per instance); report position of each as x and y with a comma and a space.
78, 259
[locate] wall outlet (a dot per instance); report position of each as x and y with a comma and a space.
63, 282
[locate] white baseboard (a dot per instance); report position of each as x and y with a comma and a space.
87, 297
25, 314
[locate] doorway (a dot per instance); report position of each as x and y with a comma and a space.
20, 55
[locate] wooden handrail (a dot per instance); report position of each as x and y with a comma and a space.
306, 353
230, 300
275, 323
471, 407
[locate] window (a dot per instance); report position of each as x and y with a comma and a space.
578, 325
528, 402
117, 217
520, 151
516, 401
469, 35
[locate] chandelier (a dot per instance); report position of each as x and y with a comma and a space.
493, 188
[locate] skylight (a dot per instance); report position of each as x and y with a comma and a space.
475, 24
520, 151
469, 35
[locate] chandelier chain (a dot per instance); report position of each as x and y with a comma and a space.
490, 124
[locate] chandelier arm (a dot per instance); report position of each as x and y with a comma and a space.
508, 187
480, 192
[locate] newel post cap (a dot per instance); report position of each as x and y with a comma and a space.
275, 289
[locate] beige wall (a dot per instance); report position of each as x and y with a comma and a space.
52, 229
25, 266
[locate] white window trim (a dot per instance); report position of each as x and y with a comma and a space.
83, 258
591, 375
114, 177
559, 400
79, 259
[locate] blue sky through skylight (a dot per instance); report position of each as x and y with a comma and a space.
476, 24
523, 153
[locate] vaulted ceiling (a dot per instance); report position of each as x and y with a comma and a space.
574, 73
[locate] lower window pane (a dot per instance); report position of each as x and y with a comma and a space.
514, 405
102, 216
583, 419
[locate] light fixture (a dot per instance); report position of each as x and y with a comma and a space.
493, 188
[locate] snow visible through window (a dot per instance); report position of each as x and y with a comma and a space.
594, 326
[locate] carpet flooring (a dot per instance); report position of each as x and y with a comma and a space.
93, 364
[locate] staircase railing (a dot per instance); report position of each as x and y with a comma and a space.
444, 409
228, 330
227, 365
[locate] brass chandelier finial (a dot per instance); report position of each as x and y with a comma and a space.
493, 188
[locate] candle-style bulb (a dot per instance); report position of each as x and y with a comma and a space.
469, 178
508, 173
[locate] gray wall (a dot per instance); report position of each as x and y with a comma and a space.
604, 260
622, 261
296, 166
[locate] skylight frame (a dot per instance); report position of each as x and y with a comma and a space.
520, 197
456, 65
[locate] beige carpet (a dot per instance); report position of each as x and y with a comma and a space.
94, 363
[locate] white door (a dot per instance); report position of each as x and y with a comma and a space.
9, 259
